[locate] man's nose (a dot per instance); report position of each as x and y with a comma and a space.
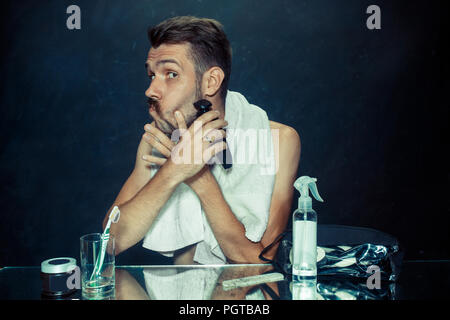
154, 91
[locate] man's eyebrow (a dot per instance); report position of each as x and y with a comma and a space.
163, 61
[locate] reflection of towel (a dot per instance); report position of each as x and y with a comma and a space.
171, 284
247, 187
191, 284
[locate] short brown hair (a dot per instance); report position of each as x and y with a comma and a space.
209, 46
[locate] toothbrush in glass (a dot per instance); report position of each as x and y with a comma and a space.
114, 218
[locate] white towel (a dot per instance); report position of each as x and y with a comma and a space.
247, 187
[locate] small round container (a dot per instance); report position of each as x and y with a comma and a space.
54, 275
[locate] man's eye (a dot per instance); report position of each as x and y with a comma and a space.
172, 75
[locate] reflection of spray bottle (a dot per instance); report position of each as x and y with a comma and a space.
304, 223
304, 289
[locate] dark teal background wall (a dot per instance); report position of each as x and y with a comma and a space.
371, 108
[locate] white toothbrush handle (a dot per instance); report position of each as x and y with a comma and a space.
113, 217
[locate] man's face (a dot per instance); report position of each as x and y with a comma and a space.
173, 85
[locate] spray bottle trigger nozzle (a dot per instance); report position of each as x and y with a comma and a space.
313, 187
304, 184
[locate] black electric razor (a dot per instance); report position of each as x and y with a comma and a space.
202, 107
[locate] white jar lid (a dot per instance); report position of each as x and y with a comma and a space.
58, 265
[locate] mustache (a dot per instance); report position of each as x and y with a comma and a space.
153, 103
161, 124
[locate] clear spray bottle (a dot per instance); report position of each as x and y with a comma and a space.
304, 222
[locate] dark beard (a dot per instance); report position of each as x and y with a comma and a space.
198, 95
166, 127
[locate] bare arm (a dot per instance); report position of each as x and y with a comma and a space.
229, 232
134, 218
141, 199
227, 229
283, 192
138, 214
137, 180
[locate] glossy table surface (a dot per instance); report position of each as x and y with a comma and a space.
418, 280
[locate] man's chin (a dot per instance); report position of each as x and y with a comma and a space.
166, 128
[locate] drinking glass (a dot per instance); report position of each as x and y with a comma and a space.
97, 276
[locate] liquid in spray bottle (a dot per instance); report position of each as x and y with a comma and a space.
304, 225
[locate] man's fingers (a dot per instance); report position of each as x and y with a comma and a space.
159, 135
214, 125
180, 120
154, 159
208, 116
150, 139
214, 135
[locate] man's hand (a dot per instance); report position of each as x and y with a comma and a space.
197, 145
154, 138
157, 139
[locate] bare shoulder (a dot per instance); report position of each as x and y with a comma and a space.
286, 142
288, 136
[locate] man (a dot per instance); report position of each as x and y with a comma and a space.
190, 59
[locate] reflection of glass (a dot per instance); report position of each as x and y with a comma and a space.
304, 289
101, 285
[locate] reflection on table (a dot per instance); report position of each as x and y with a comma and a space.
206, 283
418, 280
189, 282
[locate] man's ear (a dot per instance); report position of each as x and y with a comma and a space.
212, 80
